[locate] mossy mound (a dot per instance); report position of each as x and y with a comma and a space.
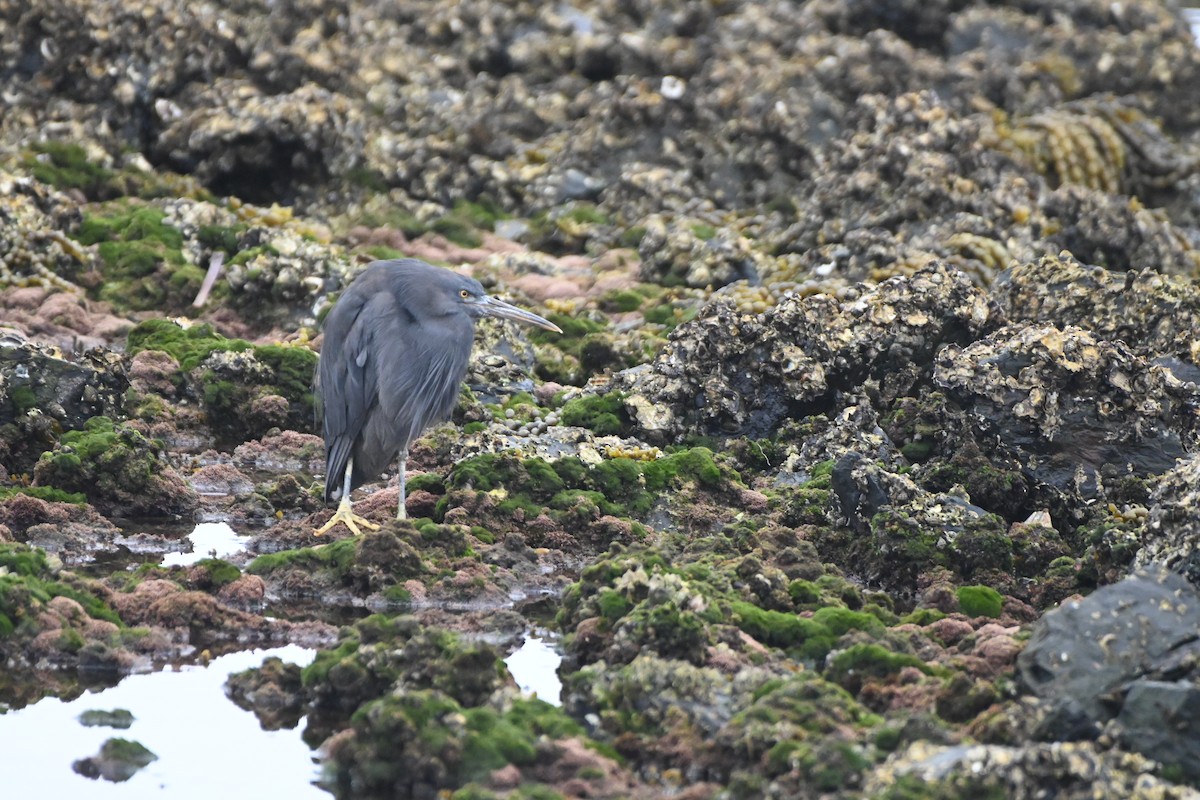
29, 584
429, 711
979, 601
120, 472
415, 743
246, 389
803, 730
141, 258
595, 505
381, 653
375, 564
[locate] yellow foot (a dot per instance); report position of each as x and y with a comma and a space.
348, 518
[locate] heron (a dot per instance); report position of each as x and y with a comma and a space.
395, 352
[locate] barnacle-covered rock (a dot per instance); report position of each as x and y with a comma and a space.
34, 246
41, 380
43, 393
1075, 410
697, 254
1025, 59
1172, 530
1101, 144
1117, 235
1155, 315
1069, 770
239, 140
727, 372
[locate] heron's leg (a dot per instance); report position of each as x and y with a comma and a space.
344, 513
402, 458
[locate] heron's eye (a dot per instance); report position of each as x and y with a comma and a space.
464, 294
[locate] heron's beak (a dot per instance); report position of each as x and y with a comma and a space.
491, 307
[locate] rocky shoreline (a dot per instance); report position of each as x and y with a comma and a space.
865, 465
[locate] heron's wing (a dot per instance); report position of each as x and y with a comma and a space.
347, 378
419, 380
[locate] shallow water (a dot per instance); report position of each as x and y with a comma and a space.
534, 666
206, 746
209, 540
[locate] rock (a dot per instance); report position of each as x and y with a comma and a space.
732, 373
1053, 394
1128, 653
1172, 532
1069, 770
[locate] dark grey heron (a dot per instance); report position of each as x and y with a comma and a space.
395, 353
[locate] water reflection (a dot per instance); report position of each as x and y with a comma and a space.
209, 540
206, 746
534, 666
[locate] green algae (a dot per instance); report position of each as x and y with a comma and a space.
574, 494
220, 573
27, 584
778, 629
50, 494
376, 563
804, 726
584, 348
621, 301
65, 165
250, 254
143, 263
841, 620
613, 605
224, 238
394, 732
189, 346
979, 601
851, 667
953, 787
418, 697
336, 556
128, 751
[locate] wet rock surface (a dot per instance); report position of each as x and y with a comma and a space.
1122, 657
876, 393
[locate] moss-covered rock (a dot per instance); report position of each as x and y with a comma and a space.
979, 601
246, 390
376, 564
144, 267
805, 728
63, 612
120, 471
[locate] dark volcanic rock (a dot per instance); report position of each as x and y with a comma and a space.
1128, 652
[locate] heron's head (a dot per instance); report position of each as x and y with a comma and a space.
478, 303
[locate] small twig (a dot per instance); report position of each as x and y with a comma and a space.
214, 269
